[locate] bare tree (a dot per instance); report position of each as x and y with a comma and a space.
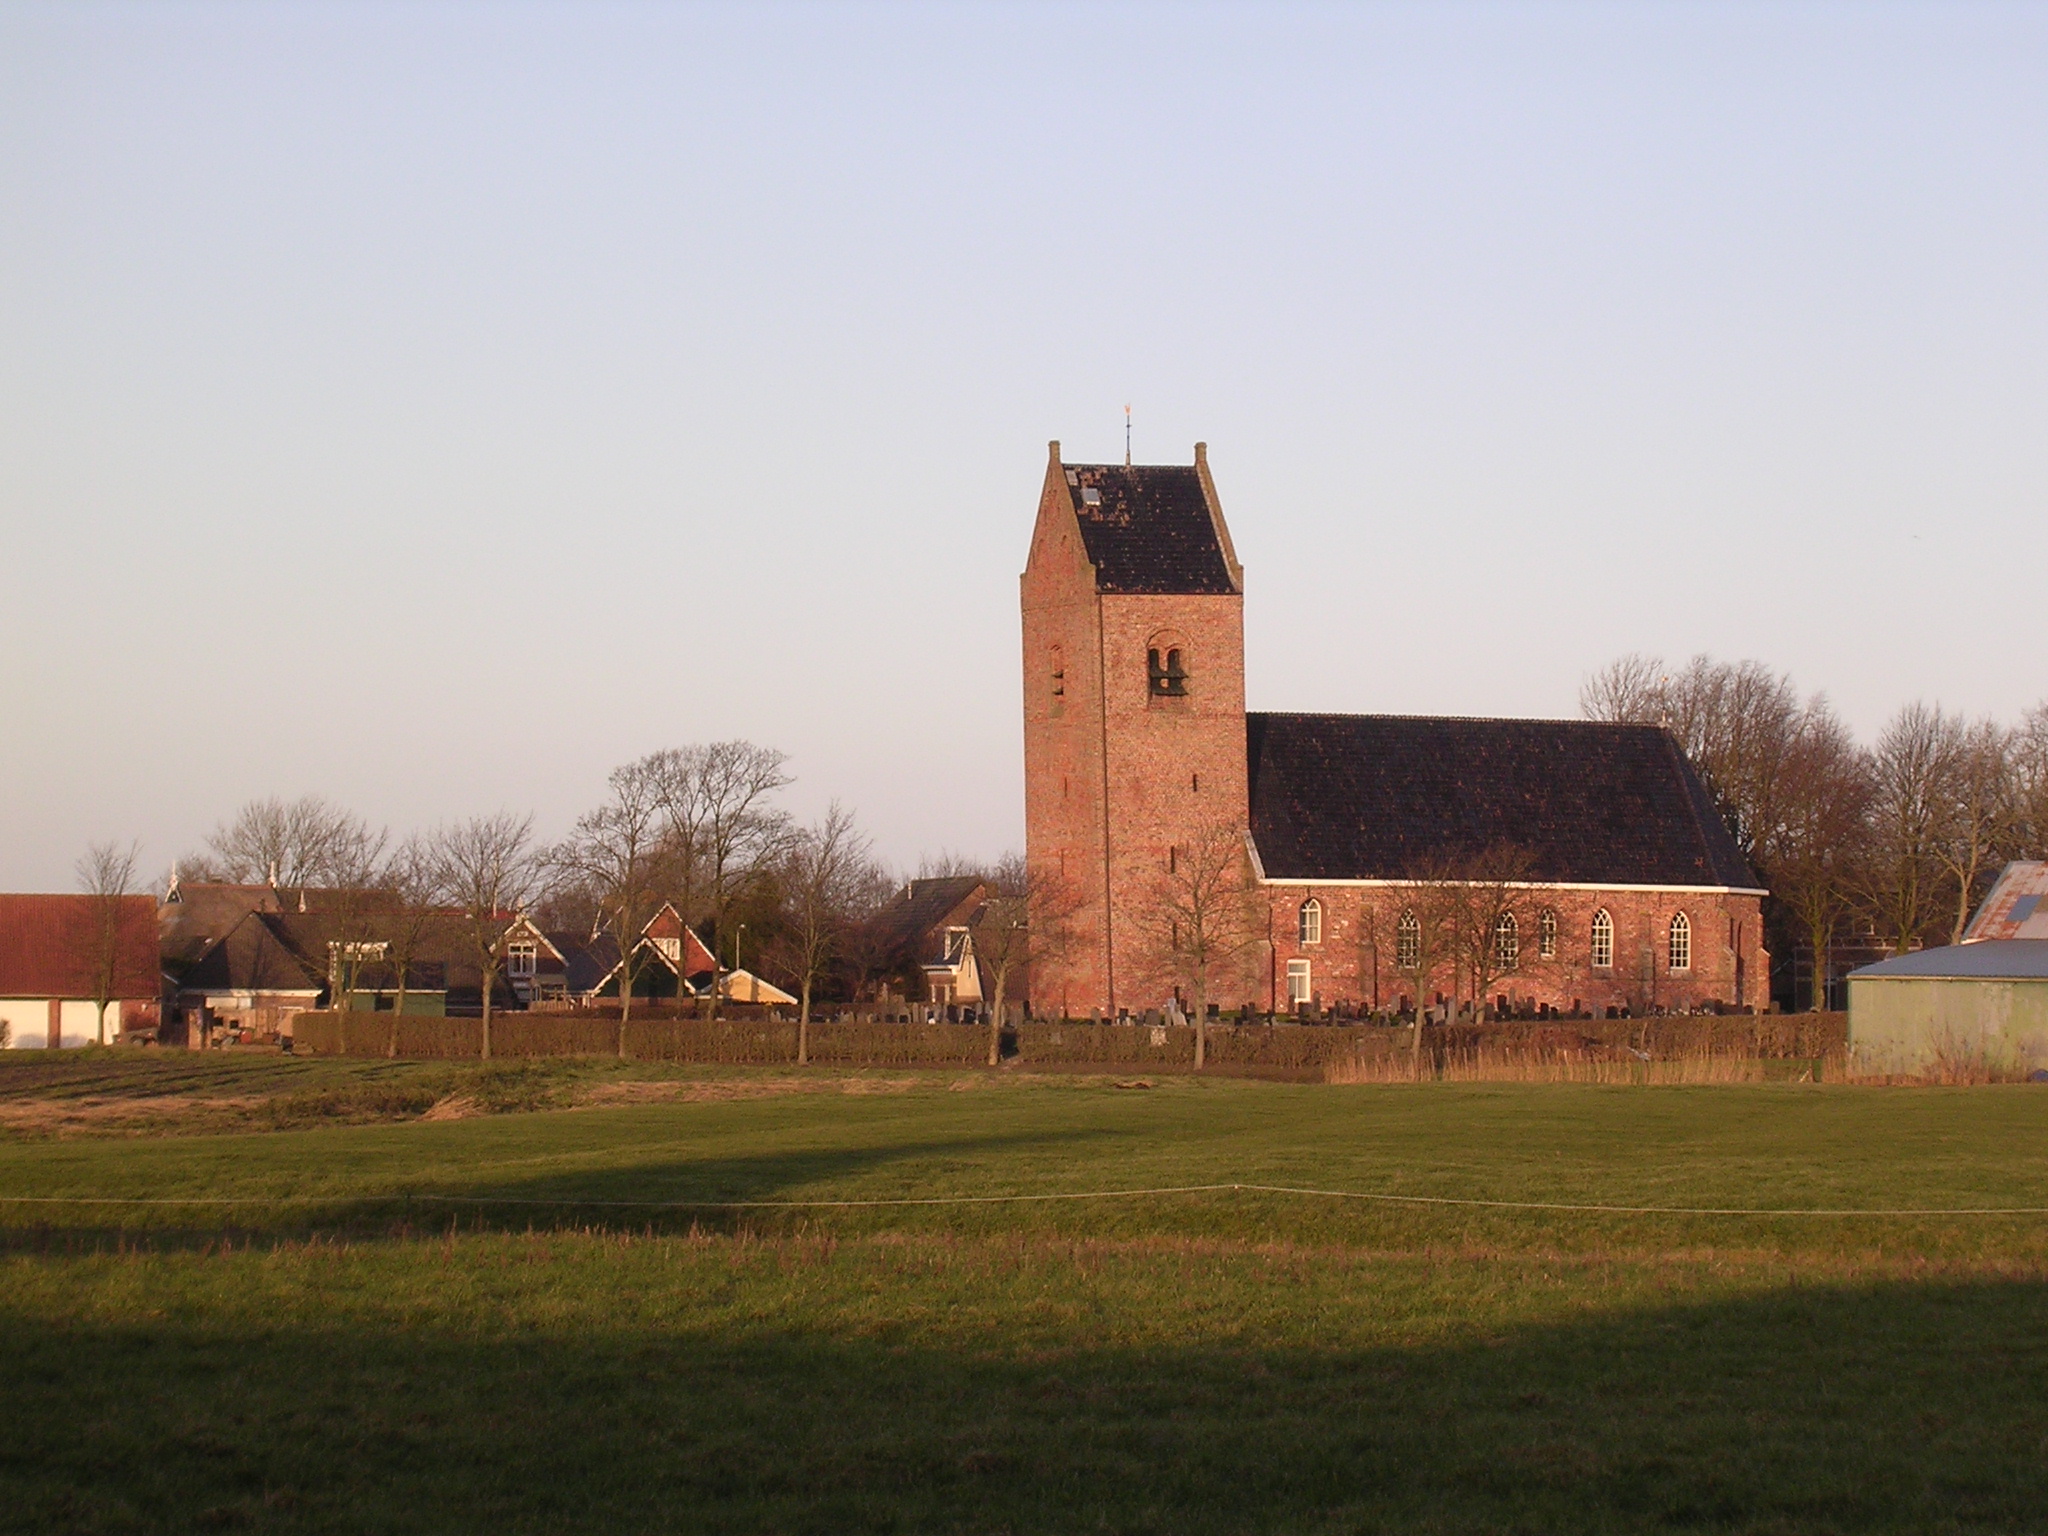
1735, 720
352, 869
1903, 877
1630, 688
409, 919
291, 844
106, 874
1978, 811
486, 869
1821, 839
1201, 917
616, 848
1485, 929
2030, 784
739, 832
822, 866
1425, 936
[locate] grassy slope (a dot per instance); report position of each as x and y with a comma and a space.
1191, 1363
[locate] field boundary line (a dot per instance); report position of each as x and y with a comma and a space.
1567, 1207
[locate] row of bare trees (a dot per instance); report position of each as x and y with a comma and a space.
1898, 839
696, 827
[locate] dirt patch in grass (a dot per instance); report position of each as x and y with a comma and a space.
723, 1090
96, 1115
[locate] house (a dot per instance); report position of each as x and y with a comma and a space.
1983, 1002
60, 955
924, 937
1626, 891
671, 962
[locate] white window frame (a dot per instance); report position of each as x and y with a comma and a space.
525, 951
1678, 944
1602, 948
1407, 942
1310, 922
1507, 941
1300, 983
1546, 934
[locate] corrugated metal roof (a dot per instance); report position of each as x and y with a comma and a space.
2017, 906
1986, 960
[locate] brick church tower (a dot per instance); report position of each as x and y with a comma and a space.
1134, 712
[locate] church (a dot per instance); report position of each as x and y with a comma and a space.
1622, 890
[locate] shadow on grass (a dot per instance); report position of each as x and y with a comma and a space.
1883, 1408
655, 1194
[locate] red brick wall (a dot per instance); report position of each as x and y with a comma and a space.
1724, 926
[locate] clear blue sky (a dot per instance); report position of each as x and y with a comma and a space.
432, 406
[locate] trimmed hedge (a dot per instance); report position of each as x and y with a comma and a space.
1291, 1048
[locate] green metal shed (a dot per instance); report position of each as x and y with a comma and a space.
1983, 1002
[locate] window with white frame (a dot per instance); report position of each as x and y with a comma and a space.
1299, 989
1311, 921
1679, 949
1603, 940
1546, 934
521, 960
1507, 941
1407, 943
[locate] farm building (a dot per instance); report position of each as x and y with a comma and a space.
61, 955
1962, 1003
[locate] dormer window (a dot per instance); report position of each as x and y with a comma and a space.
1090, 497
1166, 672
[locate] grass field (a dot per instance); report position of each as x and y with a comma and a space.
347, 1352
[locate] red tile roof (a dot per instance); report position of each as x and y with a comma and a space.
48, 944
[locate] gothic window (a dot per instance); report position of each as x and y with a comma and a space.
1299, 990
1603, 940
1166, 672
1407, 943
1311, 921
1507, 941
1546, 934
1679, 951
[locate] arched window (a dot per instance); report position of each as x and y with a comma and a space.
1311, 921
1407, 943
1507, 941
1166, 672
1546, 934
1603, 940
1679, 951
1059, 670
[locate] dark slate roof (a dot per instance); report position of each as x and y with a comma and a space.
1988, 959
905, 929
1151, 530
1385, 797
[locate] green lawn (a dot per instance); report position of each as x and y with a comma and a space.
343, 1352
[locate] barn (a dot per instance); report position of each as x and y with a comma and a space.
1984, 1003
